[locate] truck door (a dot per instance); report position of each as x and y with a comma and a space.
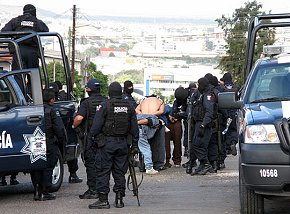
22, 134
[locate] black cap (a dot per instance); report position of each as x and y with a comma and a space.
192, 85
54, 87
226, 77
29, 8
115, 89
93, 84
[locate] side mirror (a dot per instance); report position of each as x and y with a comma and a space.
228, 100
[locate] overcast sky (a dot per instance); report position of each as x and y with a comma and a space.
171, 8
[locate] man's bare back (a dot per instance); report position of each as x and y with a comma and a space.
151, 105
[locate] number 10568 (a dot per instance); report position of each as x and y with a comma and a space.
269, 173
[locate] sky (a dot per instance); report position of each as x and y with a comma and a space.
153, 8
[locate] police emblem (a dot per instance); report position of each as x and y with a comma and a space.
35, 145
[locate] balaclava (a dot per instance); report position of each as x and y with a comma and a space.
203, 84
115, 89
128, 87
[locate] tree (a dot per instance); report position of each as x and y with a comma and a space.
235, 29
92, 69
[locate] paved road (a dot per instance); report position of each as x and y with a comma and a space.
172, 191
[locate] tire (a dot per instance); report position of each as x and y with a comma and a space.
57, 174
250, 202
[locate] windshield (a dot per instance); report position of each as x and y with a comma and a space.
271, 83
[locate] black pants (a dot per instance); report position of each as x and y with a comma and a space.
89, 162
44, 177
73, 165
213, 148
199, 149
112, 158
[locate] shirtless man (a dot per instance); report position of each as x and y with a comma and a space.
147, 115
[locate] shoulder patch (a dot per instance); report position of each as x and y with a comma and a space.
209, 97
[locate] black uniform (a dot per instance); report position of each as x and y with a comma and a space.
55, 134
87, 110
202, 113
28, 48
114, 122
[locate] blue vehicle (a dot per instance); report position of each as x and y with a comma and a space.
22, 137
263, 121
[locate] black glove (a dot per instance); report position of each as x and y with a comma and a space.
201, 131
134, 150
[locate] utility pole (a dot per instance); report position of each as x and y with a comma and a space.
73, 45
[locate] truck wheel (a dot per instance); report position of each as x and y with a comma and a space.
57, 174
250, 202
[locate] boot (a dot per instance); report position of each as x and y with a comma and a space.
119, 200
13, 180
221, 165
214, 167
47, 196
91, 193
37, 193
190, 165
3, 181
205, 169
198, 169
102, 203
73, 178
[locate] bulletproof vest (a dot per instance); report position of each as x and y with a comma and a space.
118, 118
93, 103
198, 110
49, 134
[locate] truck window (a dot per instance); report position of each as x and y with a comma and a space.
270, 82
5, 96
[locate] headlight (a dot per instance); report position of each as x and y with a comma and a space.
261, 134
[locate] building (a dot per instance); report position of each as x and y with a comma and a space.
166, 80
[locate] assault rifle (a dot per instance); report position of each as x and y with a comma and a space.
229, 121
132, 177
219, 133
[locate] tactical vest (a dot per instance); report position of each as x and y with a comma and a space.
198, 110
93, 103
118, 118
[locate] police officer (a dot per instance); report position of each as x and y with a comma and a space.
85, 117
215, 142
72, 164
228, 119
62, 95
114, 122
127, 93
55, 134
202, 114
191, 88
28, 48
